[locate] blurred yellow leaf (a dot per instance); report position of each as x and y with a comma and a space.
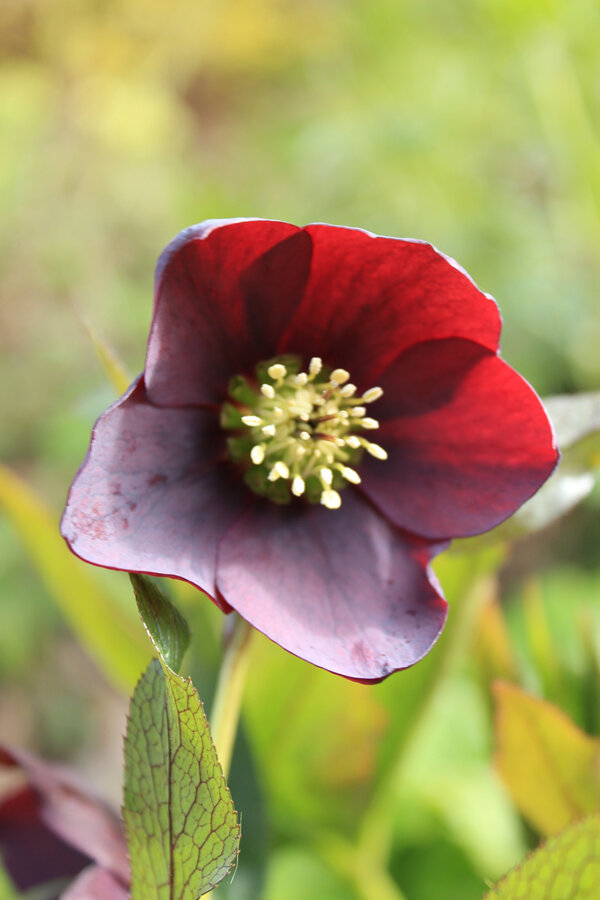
551, 767
111, 637
492, 643
112, 366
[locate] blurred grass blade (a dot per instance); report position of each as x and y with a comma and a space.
111, 637
168, 630
182, 829
7, 889
566, 866
112, 366
551, 767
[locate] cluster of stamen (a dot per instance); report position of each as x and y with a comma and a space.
300, 433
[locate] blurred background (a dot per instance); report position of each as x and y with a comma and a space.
474, 125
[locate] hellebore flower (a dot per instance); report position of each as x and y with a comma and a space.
55, 834
243, 459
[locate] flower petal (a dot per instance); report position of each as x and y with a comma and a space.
154, 493
342, 589
95, 883
369, 298
69, 812
224, 293
468, 441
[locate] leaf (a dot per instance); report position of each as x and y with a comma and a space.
113, 367
113, 639
168, 630
551, 767
566, 867
181, 826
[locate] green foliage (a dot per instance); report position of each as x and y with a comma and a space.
167, 628
566, 867
182, 829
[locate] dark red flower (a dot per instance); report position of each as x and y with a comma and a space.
246, 401
55, 832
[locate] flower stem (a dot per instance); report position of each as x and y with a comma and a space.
230, 687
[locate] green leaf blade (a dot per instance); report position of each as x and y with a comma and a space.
566, 867
168, 630
182, 829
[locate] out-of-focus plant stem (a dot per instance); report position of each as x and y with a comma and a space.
230, 687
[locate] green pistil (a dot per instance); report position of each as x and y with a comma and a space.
299, 433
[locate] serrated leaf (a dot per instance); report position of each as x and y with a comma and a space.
566, 867
181, 826
113, 639
168, 630
551, 767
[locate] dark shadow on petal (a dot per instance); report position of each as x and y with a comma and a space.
273, 287
468, 441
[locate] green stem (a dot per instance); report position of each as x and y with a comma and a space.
230, 687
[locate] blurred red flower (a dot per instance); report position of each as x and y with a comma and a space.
225, 461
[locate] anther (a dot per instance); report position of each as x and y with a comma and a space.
268, 430
277, 371
252, 421
369, 423
304, 436
298, 486
353, 441
326, 476
373, 393
358, 411
257, 454
375, 450
267, 390
331, 499
350, 475
348, 390
339, 376
315, 365
301, 378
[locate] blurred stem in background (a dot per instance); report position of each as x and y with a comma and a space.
230, 688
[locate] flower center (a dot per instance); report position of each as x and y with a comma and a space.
299, 433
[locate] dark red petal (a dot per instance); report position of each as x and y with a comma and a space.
31, 853
71, 812
95, 883
224, 293
468, 441
369, 298
340, 588
154, 494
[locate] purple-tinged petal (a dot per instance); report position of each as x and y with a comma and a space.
30, 851
224, 294
71, 812
343, 589
154, 493
95, 883
467, 437
369, 298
